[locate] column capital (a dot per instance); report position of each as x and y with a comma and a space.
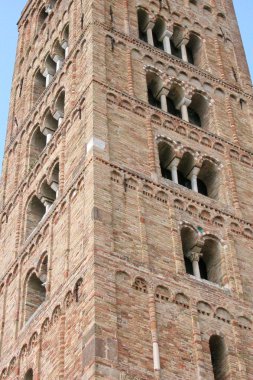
150, 25
193, 172
48, 71
174, 162
166, 33
47, 131
57, 58
162, 91
194, 255
184, 102
58, 114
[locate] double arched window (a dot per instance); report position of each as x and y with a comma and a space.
41, 202
35, 289
202, 256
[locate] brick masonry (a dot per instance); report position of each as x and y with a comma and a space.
108, 252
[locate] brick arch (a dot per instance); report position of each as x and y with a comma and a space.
140, 284
205, 308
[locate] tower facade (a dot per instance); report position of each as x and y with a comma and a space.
126, 228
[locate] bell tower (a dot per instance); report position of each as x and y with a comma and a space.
126, 231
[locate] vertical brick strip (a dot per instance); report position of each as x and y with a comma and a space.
232, 120
154, 334
62, 347
197, 344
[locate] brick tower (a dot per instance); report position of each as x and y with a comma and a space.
126, 228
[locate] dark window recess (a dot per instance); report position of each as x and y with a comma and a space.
194, 117
152, 100
202, 189
172, 109
166, 173
142, 35
158, 44
188, 265
175, 51
190, 55
202, 269
183, 181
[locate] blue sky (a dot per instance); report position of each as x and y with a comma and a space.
9, 16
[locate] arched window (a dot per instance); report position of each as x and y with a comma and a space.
36, 146
59, 108
184, 168
35, 290
198, 111
154, 85
65, 40
143, 20
201, 256
209, 179
193, 49
210, 262
39, 85
54, 179
42, 18
58, 55
176, 41
47, 195
158, 33
29, 375
219, 357
50, 70
166, 156
174, 97
34, 213
49, 126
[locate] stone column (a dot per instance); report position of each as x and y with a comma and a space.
48, 9
183, 106
184, 52
47, 203
59, 62
173, 168
55, 187
163, 100
194, 256
58, 115
48, 74
48, 133
166, 36
65, 46
193, 176
149, 31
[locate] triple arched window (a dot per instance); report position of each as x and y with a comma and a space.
173, 100
177, 41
